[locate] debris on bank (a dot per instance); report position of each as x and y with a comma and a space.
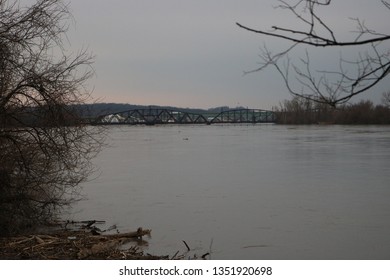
85, 242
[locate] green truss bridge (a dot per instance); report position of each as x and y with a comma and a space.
152, 116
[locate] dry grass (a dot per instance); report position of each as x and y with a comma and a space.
75, 245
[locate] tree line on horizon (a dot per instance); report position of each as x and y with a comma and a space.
300, 110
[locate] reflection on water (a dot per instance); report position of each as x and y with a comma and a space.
248, 191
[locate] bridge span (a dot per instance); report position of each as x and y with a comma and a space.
152, 116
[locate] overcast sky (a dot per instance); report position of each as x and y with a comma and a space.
190, 53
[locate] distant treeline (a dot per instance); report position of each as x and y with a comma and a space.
303, 111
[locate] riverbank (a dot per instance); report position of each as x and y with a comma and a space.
70, 240
77, 244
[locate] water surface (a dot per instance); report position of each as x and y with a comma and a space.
248, 191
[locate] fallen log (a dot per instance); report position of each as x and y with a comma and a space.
134, 234
111, 242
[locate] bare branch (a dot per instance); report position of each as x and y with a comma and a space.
329, 86
386, 3
313, 40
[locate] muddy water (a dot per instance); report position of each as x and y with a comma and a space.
248, 192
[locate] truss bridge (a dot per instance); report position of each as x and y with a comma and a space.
152, 116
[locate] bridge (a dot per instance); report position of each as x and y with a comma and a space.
152, 116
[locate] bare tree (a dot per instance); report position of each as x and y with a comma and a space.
336, 86
45, 149
386, 98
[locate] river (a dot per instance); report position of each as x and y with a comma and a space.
247, 191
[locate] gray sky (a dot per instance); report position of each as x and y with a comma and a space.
190, 53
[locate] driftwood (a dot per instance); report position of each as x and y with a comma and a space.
134, 234
75, 244
111, 241
81, 243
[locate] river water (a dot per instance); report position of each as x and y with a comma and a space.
247, 191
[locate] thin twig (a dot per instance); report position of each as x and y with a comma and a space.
188, 247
